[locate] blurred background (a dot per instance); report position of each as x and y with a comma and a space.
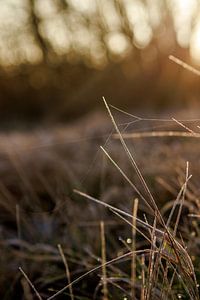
58, 57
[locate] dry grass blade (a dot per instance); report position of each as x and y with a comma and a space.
114, 260
127, 179
143, 288
178, 198
171, 281
185, 127
133, 262
151, 263
145, 225
132, 160
184, 65
103, 256
66, 270
131, 224
30, 283
163, 244
126, 113
153, 134
182, 199
137, 118
194, 216
177, 254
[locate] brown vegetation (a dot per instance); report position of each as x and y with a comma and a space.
40, 210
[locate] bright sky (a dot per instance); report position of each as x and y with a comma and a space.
17, 45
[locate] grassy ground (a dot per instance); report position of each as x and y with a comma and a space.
40, 210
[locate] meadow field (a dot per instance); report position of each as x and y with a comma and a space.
99, 149
116, 224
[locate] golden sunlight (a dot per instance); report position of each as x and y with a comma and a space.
195, 44
91, 24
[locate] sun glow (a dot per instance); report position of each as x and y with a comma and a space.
195, 44
92, 27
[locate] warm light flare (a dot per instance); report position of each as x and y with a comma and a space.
195, 44
93, 28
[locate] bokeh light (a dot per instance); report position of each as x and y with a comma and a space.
82, 26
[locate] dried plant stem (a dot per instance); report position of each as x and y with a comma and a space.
151, 263
153, 134
184, 65
66, 270
130, 157
103, 257
185, 127
133, 262
114, 260
127, 179
30, 283
143, 224
182, 199
142, 295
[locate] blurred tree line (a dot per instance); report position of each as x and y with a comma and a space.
58, 57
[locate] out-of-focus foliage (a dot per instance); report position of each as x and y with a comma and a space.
93, 30
58, 57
